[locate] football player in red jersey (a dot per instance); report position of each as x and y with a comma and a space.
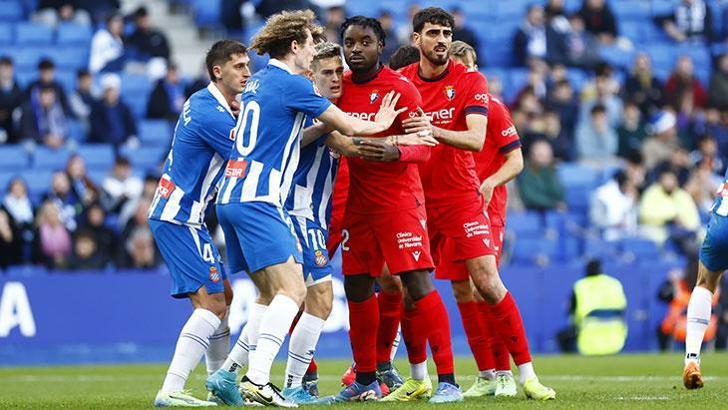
385, 219
456, 102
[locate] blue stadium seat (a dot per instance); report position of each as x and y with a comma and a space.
11, 11
73, 34
67, 79
617, 56
72, 58
207, 13
155, 133
50, 159
524, 223
27, 57
630, 10
6, 33
97, 156
145, 158
577, 77
97, 175
13, 158
5, 177
575, 175
39, 181
640, 248
597, 248
532, 250
76, 131
33, 33
25, 270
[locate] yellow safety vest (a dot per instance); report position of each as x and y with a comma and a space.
600, 334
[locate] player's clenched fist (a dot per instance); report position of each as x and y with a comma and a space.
377, 150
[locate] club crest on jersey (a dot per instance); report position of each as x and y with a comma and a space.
374, 96
214, 274
450, 92
320, 259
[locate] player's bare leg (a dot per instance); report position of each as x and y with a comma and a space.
698, 317
509, 324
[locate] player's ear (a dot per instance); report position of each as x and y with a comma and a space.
217, 72
416, 38
294, 46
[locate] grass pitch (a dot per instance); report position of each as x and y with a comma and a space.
627, 381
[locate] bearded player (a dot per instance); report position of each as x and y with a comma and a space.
456, 101
385, 223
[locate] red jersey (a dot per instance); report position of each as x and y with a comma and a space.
383, 186
500, 139
449, 176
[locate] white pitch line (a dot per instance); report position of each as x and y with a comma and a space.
643, 398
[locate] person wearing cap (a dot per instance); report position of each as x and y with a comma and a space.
663, 139
107, 47
11, 98
146, 41
47, 78
111, 119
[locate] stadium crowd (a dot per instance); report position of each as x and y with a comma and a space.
654, 141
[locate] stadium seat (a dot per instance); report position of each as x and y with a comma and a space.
39, 181
6, 33
534, 250
207, 13
524, 223
50, 159
575, 175
97, 156
597, 248
617, 56
33, 33
72, 57
27, 57
76, 131
639, 248
11, 11
25, 270
13, 158
73, 34
144, 159
67, 78
155, 133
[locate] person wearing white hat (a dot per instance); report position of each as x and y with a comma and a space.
111, 119
663, 138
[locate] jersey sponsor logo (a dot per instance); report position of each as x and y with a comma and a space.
482, 97
374, 96
416, 255
450, 92
509, 132
166, 187
408, 240
366, 116
214, 274
236, 168
440, 116
320, 259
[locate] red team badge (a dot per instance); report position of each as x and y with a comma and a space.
450, 92
214, 274
374, 96
320, 259
166, 186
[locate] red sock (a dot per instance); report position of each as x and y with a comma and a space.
363, 324
312, 367
497, 347
509, 326
477, 337
435, 322
390, 306
414, 338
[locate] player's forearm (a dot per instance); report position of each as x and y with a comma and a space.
414, 153
470, 140
509, 170
313, 133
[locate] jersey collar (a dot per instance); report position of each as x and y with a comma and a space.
220, 99
280, 64
439, 77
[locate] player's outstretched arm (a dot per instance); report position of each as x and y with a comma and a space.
471, 139
509, 170
349, 125
314, 132
352, 146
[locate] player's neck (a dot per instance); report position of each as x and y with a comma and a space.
366, 75
227, 94
290, 61
431, 71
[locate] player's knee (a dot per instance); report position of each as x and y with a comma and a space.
358, 288
390, 283
319, 300
462, 291
708, 279
418, 284
296, 291
216, 304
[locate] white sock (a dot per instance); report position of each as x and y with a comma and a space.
274, 326
192, 343
487, 374
525, 372
419, 370
239, 356
395, 345
699, 309
301, 348
504, 373
219, 347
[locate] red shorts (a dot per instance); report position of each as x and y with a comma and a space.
459, 233
398, 239
498, 232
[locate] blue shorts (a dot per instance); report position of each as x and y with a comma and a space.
313, 238
714, 251
191, 256
257, 235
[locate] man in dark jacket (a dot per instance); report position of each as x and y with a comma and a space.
147, 41
111, 119
168, 96
11, 98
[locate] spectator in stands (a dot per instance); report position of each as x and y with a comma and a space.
580, 48
683, 84
198, 83
61, 194
53, 12
85, 254
596, 140
334, 17
691, 21
120, 186
82, 99
539, 185
613, 207
146, 41
94, 222
111, 119
632, 132
100, 9
391, 45
149, 188
168, 96
663, 140
141, 251
561, 143
43, 120
534, 40
266, 8
11, 98
404, 33
11, 245
706, 176
20, 209
82, 187
231, 15
561, 99
678, 163
714, 123
54, 239
718, 90
107, 47
599, 20
642, 86
461, 31
707, 154
634, 167
47, 78
604, 91
667, 211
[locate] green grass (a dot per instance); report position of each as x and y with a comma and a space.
634, 381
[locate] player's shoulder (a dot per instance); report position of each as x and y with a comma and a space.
409, 71
496, 104
397, 80
468, 75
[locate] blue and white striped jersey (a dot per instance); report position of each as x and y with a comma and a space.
720, 207
274, 108
313, 183
194, 166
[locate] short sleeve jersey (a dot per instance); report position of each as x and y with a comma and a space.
449, 176
381, 186
273, 110
500, 139
720, 207
202, 141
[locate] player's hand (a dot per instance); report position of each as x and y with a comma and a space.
417, 138
486, 189
387, 111
375, 150
418, 123
235, 107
